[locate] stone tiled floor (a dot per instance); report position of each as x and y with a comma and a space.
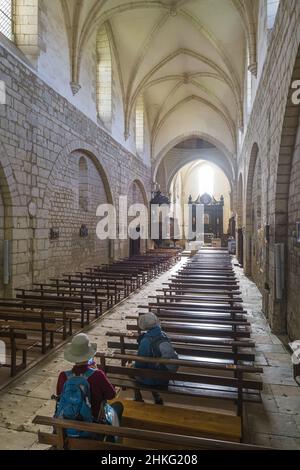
275, 422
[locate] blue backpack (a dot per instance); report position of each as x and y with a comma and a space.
75, 401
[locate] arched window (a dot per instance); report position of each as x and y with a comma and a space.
7, 18
139, 125
206, 180
83, 184
249, 88
240, 137
272, 8
104, 78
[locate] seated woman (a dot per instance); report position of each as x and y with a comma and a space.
83, 390
153, 332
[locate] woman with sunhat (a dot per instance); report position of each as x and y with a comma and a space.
80, 352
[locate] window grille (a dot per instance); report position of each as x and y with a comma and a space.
6, 18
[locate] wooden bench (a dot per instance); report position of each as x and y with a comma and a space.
186, 318
15, 342
203, 290
195, 314
82, 304
82, 281
171, 294
12, 309
187, 422
203, 280
198, 379
42, 328
129, 438
194, 329
204, 306
98, 296
190, 347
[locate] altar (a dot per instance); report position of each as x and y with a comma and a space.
213, 217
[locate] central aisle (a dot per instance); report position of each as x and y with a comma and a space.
275, 422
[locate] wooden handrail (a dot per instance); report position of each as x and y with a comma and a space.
181, 362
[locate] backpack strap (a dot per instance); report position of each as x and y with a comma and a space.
89, 372
69, 374
154, 342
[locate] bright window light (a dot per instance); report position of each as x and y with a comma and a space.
272, 7
139, 125
104, 78
206, 180
249, 88
6, 18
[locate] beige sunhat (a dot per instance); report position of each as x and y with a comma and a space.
80, 350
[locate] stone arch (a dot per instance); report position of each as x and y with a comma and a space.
240, 202
8, 195
7, 181
83, 183
218, 163
285, 159
190, 135
141, 198
240, 220
249, 220
142, 189
257, 234
89, 151
77, 244
281, 316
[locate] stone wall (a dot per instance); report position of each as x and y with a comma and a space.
77, 193
293, 261
39, 130
272, 133
1, 241
257, 236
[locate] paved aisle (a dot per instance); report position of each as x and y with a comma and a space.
276, 422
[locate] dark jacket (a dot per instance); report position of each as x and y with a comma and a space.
145, 350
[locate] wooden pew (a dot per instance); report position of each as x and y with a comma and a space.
13, 309
197, 378
81, 303
185, 317
186, 421
15, 342
204, 280
129, 438
83, 294
39, 322
195, 329
184, 306
170, 293
204, 290
226, 351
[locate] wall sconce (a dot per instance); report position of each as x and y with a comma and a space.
84, 231
54, 233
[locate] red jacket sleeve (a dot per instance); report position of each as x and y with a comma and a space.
60, 383
103, 384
